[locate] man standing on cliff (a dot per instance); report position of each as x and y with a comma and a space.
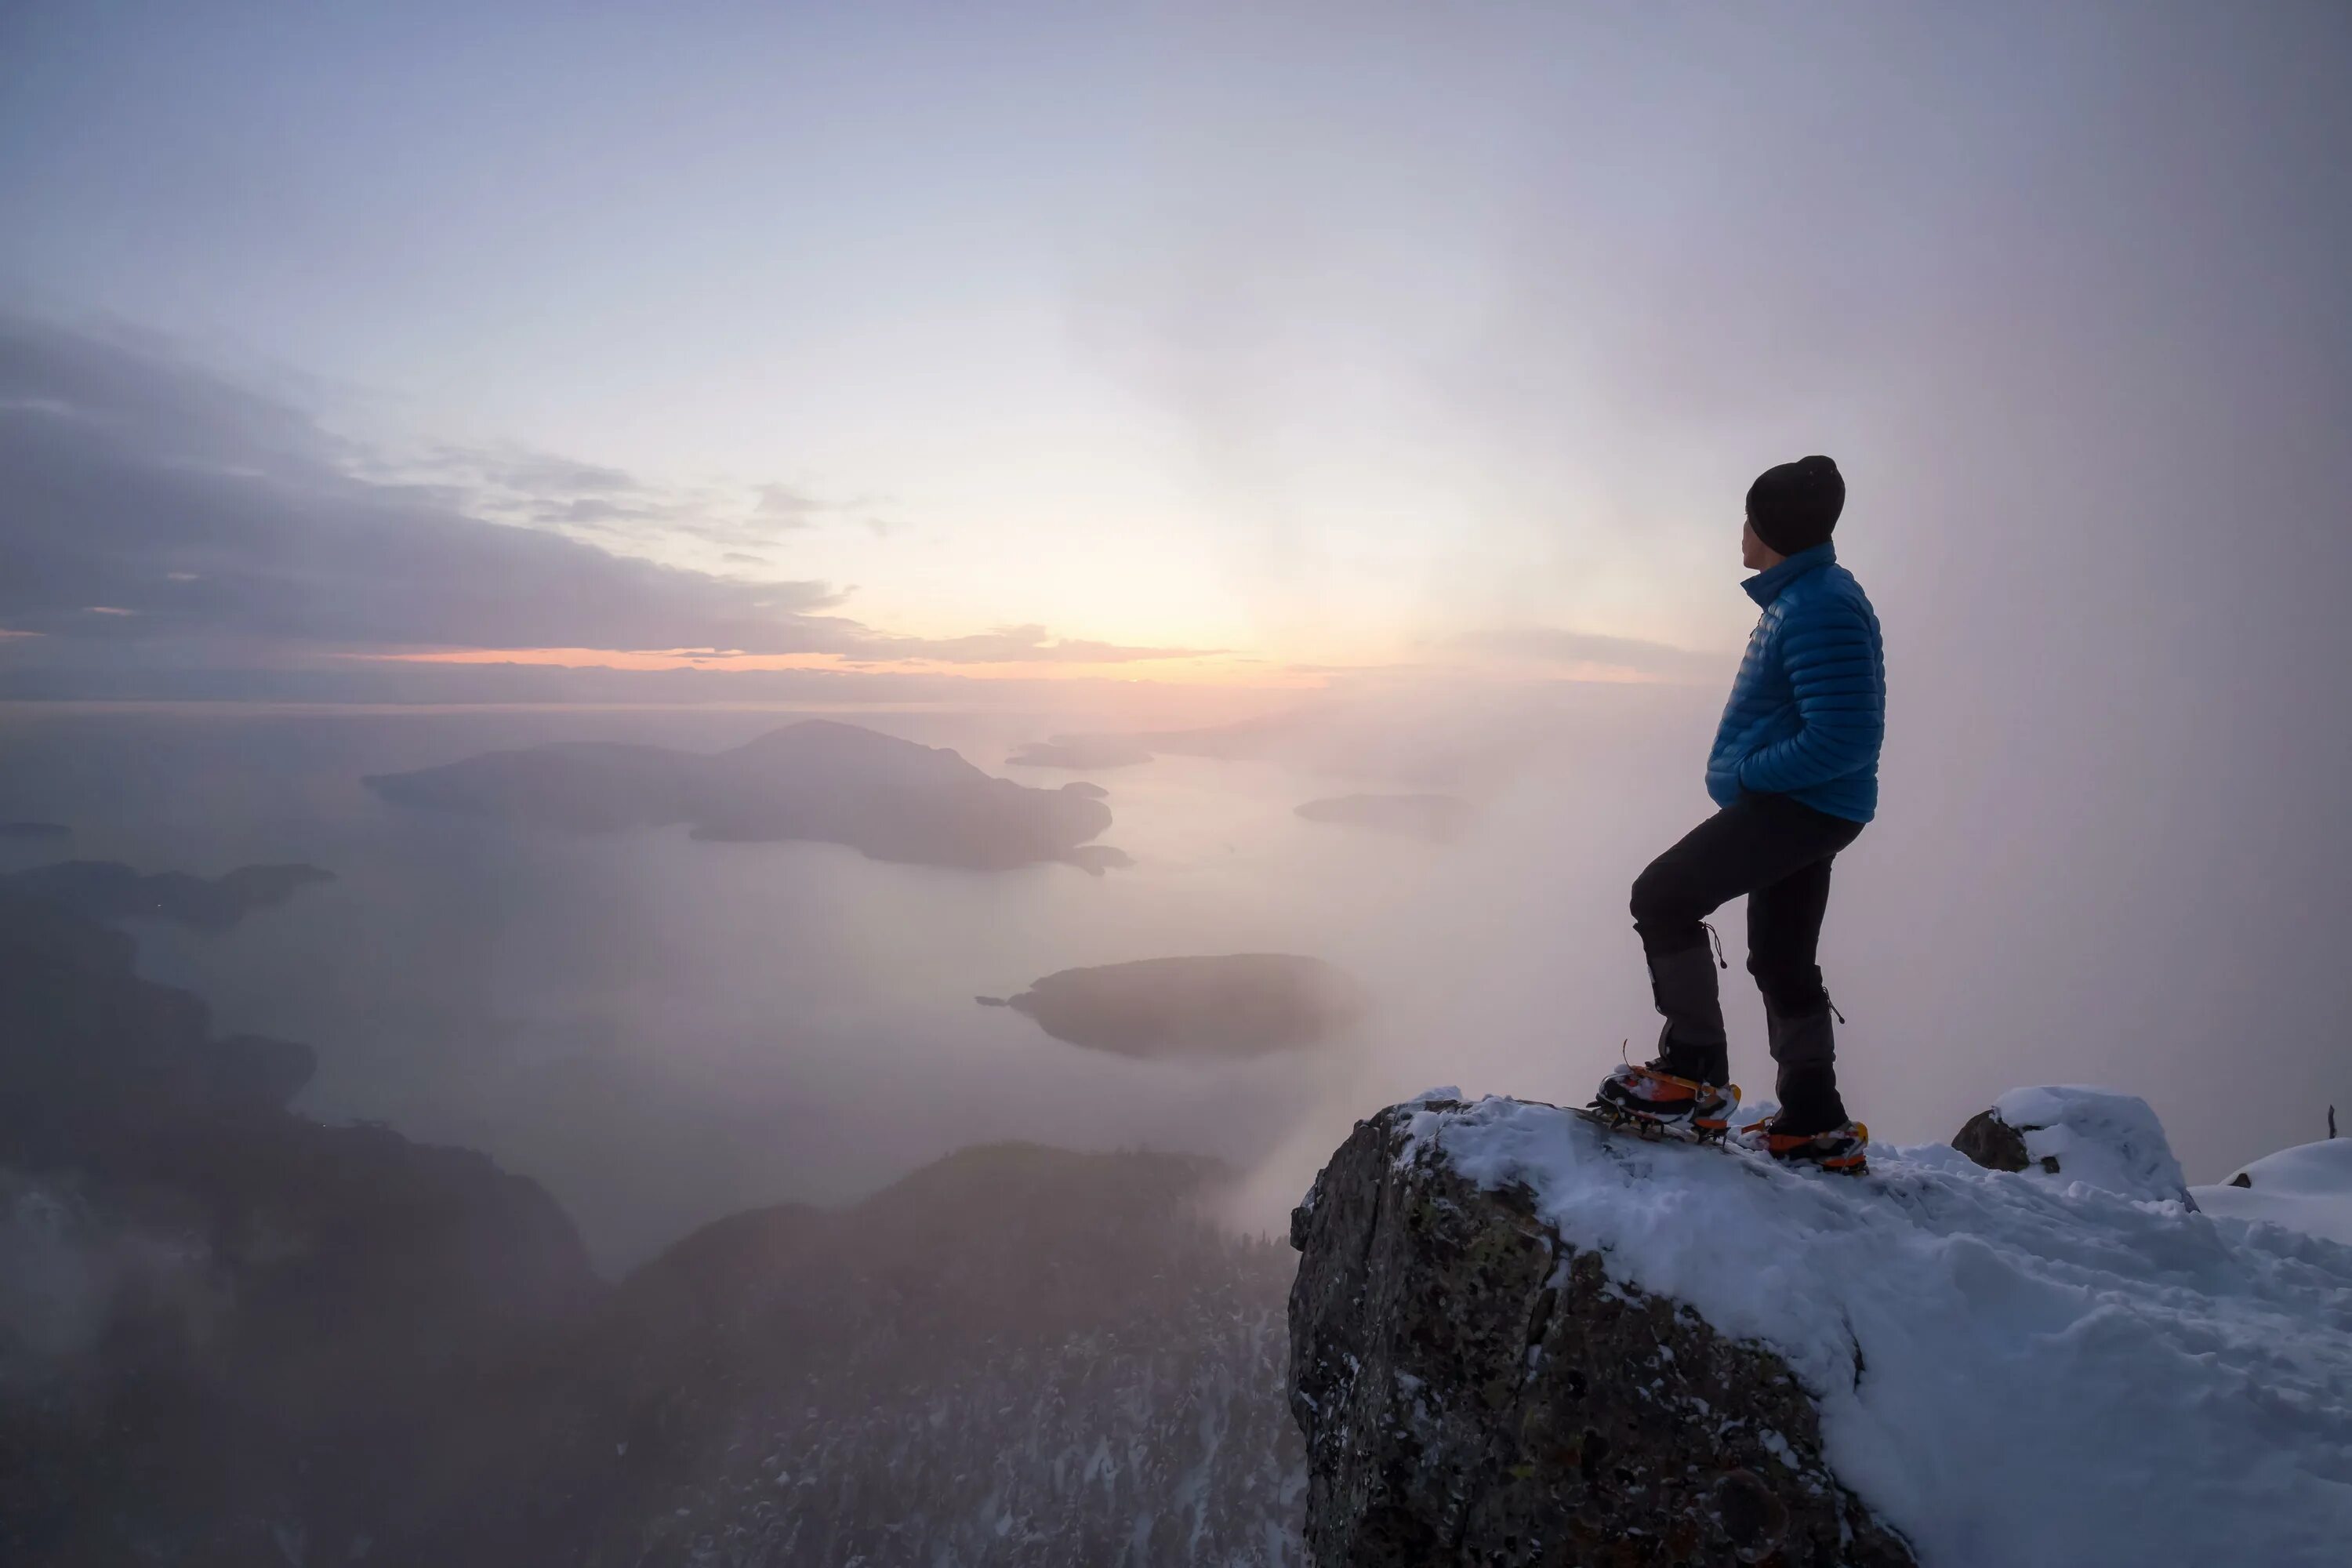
1795, 770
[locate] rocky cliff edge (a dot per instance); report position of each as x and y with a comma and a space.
1517, 1339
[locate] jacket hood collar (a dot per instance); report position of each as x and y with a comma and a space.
1767, 585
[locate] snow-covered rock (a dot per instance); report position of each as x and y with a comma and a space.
1473, 1389
2018, 1368
2095, 1136
2308, 1187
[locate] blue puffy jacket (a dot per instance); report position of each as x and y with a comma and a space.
1809, 708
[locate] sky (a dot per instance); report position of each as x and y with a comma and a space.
1291, 336
1220, 358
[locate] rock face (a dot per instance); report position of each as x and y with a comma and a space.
836, 783
1472, 1389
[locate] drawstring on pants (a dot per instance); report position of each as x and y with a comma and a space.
1708, 928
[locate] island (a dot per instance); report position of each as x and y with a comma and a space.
109, 891
1232, 1005
819, 780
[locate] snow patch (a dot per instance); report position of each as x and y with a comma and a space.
2012, 1368
2306, 1188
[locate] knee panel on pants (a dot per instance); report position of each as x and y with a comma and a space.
1660, 901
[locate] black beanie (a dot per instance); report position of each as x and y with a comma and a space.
1795, 506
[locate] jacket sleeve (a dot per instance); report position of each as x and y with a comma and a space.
1832, 665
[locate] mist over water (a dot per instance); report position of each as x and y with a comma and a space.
666, 1031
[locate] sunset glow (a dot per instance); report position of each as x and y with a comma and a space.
1216, 669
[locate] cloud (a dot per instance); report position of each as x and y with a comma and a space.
1021, 644
588, 512
538, 473
781, 506
1547, 645
511, 483
140, 483
152, 506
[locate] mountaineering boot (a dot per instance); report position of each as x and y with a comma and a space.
1841, 1147
1667, 1101
1686, 1088
1683, 1089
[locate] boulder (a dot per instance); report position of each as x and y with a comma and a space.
1993, 1143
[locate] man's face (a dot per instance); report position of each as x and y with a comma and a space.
1754, 554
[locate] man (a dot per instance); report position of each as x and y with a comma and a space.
1795, 770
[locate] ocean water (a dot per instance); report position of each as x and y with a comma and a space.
664, 1031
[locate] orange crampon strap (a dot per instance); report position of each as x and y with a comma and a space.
1684, 1087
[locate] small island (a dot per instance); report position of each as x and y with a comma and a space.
1228, 1006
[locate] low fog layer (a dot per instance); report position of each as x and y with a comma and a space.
666, 1030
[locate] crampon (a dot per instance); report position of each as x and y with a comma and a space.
1654, 1103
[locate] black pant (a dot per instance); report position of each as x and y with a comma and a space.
1776, 851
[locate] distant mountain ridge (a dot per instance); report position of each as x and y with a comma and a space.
1017, 1355
230, 1334
820, 780
224, 1328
